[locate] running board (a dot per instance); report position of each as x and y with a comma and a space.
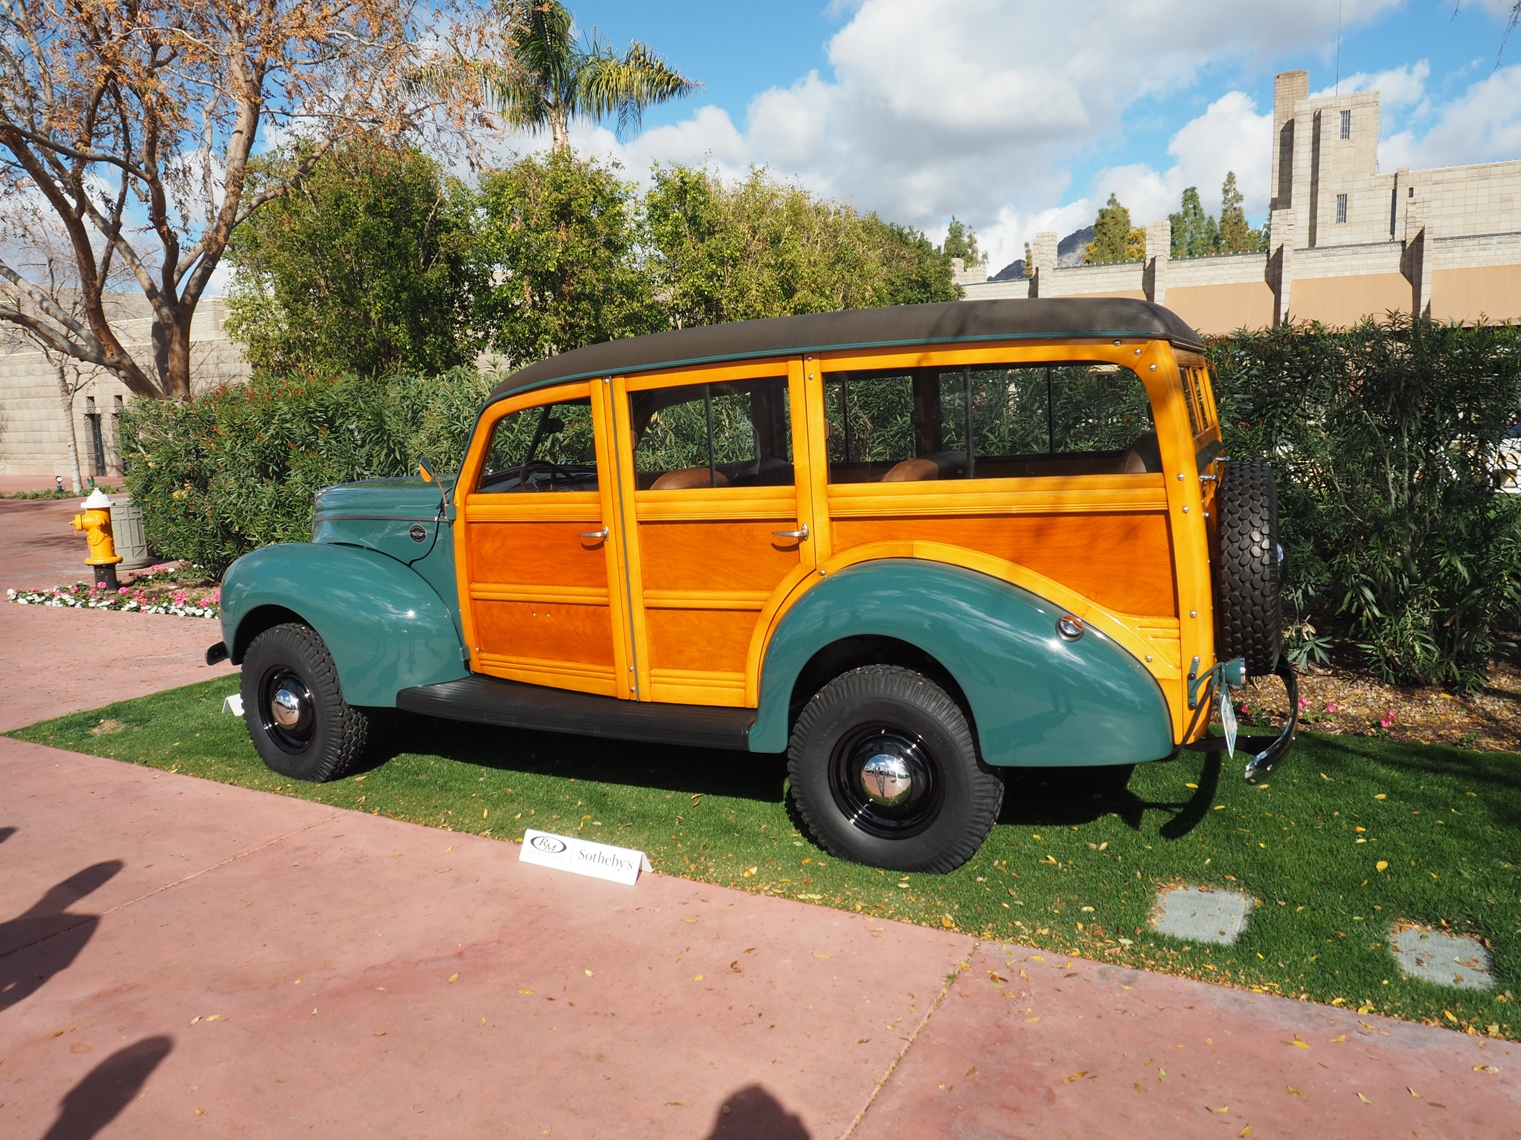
513, 704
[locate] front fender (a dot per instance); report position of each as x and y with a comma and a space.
384, 625
1035, 699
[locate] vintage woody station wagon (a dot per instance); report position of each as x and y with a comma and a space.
910, 547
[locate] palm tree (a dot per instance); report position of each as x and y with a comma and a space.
541, 76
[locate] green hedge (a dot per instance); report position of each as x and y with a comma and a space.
1383, 438
237, 468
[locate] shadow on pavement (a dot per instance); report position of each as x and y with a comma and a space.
6, 833
754, 1114
107, 1089
48, 920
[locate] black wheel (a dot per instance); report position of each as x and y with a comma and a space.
884, 771
295, 711
1248, 594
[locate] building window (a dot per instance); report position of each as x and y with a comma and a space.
1346, 124
1341, 208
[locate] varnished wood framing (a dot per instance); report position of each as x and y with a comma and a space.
1166, 643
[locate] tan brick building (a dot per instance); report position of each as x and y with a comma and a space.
34, 426
1347, 240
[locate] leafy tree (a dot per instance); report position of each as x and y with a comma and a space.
1235, 235
961, 241
1194, 233
536, 75
1114, 238
563, 237
128, 128
760, 248
364, 265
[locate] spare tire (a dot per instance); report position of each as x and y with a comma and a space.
1248, 595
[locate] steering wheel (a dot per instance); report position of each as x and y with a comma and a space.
556, 471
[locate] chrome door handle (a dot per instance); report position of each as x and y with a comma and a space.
799, 534
593, 533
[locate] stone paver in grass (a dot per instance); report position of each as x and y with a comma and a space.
1438, 956
1198, 914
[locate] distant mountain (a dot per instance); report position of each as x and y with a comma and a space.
1069, 252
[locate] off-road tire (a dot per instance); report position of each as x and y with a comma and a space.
850, 715
1248, 591
332, 741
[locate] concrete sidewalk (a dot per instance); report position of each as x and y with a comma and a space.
153, 929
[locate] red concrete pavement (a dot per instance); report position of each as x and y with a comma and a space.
38, 546
353, 975
1036, 1044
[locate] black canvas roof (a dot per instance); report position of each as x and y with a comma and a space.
949, 322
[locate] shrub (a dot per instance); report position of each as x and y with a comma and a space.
1384, 441
238, 468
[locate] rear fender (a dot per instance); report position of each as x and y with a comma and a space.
386, 628
1035, 699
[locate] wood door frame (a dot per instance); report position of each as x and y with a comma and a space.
705, 504
548, 507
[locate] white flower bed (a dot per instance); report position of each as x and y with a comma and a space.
147, 594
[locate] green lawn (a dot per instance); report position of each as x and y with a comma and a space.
1072, 867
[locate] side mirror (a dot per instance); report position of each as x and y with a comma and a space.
554, 425
425, 473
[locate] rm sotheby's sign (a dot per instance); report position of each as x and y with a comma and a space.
567, 853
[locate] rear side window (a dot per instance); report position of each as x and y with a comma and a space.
549, 448
732, 434
1017, 421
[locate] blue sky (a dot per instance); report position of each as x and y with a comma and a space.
1019, 116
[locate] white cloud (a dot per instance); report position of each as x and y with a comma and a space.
1481, 125
980, 107
1397, 87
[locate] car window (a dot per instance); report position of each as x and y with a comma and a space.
732, 434
548, 448
911, 425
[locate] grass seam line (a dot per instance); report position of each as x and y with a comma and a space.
961, 968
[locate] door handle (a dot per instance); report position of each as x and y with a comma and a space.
800, 534
593, 533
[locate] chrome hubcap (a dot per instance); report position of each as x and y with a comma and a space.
285, 707
886, 779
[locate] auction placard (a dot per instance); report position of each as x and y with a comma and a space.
583, 857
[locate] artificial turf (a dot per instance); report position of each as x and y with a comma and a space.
1073, 865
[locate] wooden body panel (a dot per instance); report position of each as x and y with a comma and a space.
1121, 561
679, 603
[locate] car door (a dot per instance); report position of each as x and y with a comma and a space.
714, 520
538, 561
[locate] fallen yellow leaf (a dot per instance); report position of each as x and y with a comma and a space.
1364, 1099
215, 1017
816, 954
697, 978
1447, 1013
380, 1033
193, 1020
749, 871
1218, 1111
1412, 1092
1247, 1131
1074, 1077
588, 973
1381, 796
1293, 1091
946, 921
972, 1071
453, 978
1338, 1040
1033, 1019
1485, 1069
525, 991
1381, 865
1036, 958
1191, 785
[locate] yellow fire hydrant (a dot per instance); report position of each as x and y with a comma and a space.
96, 524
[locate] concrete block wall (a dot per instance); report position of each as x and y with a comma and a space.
34, 426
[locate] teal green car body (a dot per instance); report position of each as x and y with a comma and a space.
378, 585
1035, 699
385, 603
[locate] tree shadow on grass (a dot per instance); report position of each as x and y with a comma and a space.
57, 934
757, 776
107, 1089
